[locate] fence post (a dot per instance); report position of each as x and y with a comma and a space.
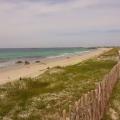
64, 115
91, 106
119, 54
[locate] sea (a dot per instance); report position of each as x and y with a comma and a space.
8, 56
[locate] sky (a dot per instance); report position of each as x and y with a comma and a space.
59, 23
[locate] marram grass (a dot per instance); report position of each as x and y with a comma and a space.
51, 92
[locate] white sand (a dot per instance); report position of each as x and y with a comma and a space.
35, 69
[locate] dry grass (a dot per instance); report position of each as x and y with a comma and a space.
51, 92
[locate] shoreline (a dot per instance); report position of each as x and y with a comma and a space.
33, 59
12, 73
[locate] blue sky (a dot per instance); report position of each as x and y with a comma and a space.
59, 23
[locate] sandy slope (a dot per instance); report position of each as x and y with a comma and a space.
32, 70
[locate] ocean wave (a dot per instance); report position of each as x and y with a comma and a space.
69, 54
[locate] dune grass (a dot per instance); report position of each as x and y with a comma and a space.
113, 111
112, 52
53, 91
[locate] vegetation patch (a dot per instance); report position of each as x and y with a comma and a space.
50, 93
112, 52
114, 105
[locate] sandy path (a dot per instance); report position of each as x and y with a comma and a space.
32, 70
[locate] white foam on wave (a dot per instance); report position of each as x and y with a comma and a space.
69, 54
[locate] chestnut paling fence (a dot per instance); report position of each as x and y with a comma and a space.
91, 106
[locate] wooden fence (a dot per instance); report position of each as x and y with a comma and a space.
92, 105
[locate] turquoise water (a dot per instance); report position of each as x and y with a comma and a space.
8, 56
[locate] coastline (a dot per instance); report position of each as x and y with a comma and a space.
12, 73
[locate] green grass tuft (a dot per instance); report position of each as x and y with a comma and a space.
51, 92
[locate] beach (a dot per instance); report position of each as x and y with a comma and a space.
15, 72
46, 96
